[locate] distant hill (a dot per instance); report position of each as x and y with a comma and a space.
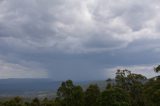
101, 83
38, 87
27, 87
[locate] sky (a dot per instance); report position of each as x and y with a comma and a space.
78, 39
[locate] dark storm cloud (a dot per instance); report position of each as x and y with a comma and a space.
77, 39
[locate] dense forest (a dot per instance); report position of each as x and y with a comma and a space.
129, 89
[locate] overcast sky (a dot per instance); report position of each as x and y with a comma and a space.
78, 39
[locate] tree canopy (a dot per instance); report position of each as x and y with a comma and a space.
128, 89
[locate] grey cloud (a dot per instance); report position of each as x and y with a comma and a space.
75, 39
57, 29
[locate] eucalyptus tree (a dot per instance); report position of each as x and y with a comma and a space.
69, 94
92, 94
114, 97
133, 83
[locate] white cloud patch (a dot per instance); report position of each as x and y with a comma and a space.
10, 70
146, 70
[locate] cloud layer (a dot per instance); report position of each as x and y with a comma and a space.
55, 35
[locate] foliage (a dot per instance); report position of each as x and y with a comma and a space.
152, 93
157, 69
133, 83
114, 97
70, 95
91, 95
129, 89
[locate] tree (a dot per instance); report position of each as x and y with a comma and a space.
78, 96
133, 83
70, 95
17, 101
35, 102
46, 102
114, 97
91, 95
157, 69
152, 93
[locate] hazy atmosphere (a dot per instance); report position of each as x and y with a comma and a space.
78, 39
